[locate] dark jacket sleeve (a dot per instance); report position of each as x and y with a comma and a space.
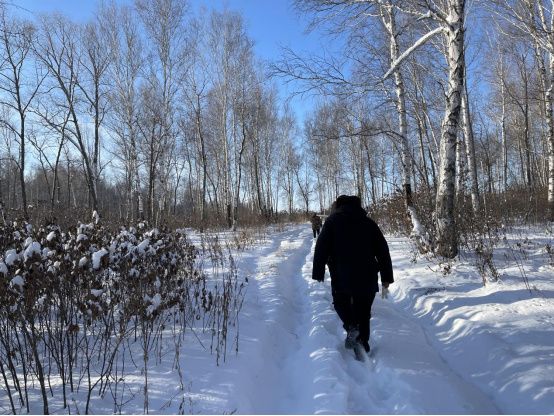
383, 256
321, 253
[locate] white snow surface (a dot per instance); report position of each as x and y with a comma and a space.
81, 237
96, 292
32, 248
83, 261
141, 248
155, 302
466, 349
440, 344
11, 257
18, 281
97, 257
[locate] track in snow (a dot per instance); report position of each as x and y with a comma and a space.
298, 363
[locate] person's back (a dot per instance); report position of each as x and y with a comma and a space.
355, 250
316, 224
354, 247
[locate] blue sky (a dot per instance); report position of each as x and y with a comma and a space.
270, 23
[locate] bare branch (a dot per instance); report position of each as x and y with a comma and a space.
421, 41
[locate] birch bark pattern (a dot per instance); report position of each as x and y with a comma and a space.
550, 120
447, 236
470, 151
389, 20
400, 106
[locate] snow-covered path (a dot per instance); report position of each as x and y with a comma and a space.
292, 359
440, 344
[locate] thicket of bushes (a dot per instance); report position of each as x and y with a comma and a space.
84, 306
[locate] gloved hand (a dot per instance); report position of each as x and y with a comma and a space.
385, 291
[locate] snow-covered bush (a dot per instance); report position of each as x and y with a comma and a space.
71, 300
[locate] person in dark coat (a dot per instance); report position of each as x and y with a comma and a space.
355, 250
316, 224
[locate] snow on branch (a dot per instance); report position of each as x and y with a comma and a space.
411, 49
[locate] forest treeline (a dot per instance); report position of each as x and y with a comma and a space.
438, 114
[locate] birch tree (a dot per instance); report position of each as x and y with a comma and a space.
127, 51
195, 80
535, 19
388, 16
164, 21
448, 17
470, 151
94, 62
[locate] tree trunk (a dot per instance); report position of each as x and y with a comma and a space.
425, 174
550, 120
470, 151
504, 139
204, 164
526, 136
447, 236
460, 168
400, 108
22, 165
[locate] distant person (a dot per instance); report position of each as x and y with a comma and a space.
354, 248
316, 224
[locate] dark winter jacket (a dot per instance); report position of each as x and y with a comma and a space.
354, 248
316, 222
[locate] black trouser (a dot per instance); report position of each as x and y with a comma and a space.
316, 232
354, 311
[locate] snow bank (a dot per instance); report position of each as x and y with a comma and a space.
497, 338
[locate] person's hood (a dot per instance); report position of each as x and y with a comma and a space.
349, 204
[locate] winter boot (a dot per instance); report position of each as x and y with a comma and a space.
351, 338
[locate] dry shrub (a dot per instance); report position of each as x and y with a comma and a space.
77, 301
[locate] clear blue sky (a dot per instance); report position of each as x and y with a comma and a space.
270, 23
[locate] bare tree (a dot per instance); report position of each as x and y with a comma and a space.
58, 52
164, 22
94, 63
17, 37
123, 32
535, 20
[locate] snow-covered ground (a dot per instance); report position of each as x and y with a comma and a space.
440, 344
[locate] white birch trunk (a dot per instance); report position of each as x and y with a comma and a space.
470, 152
550, 121
460, 168
418, 232
447, 236
504, 138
